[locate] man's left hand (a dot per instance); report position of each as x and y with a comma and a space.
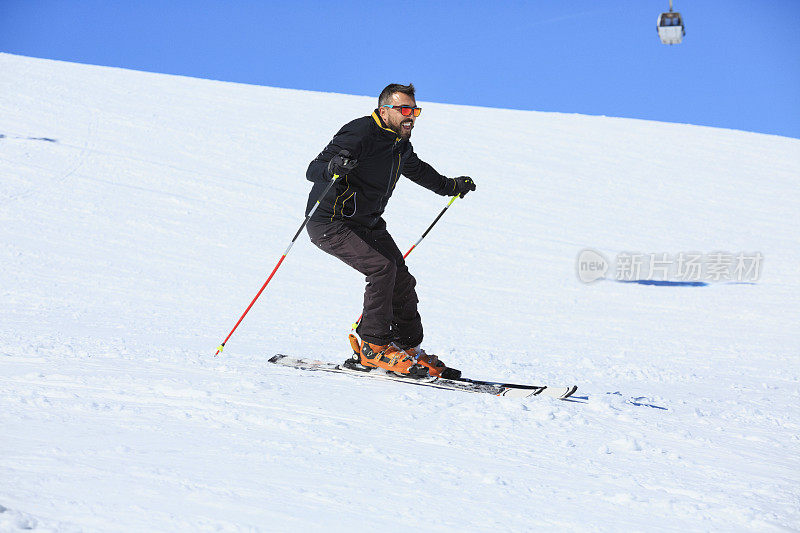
463, 184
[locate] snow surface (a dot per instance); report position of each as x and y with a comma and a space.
140, 213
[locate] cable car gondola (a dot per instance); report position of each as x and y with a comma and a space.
670, 27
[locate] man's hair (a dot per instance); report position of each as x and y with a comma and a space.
386, 94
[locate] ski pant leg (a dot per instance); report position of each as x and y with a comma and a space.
406, 322
390, 301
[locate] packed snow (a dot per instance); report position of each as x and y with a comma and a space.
140, 213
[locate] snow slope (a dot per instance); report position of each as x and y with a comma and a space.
140, 213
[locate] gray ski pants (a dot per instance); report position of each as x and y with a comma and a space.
390, 300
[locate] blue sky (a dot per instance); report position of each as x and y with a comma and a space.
738, 67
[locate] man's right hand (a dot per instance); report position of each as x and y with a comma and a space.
341, 164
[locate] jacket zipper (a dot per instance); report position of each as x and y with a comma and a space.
391, 172
384, 200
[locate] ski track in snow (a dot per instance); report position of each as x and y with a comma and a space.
139, 213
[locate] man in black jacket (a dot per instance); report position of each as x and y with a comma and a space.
369, 154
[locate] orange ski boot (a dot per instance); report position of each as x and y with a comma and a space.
388, 357
435, 366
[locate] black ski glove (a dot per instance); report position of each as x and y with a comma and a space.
464, 184
341, 164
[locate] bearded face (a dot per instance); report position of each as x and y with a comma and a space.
395, 121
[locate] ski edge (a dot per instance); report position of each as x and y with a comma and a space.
508, 390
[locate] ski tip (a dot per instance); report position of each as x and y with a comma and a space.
559, 393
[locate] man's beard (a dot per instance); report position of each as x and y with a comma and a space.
400, 131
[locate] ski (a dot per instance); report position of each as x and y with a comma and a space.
463, 384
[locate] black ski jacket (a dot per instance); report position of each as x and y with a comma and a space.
361, 196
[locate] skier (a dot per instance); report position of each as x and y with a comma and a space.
369, 154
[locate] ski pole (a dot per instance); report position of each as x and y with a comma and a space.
264, 286
358, 321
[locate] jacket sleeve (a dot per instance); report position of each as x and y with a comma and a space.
422, 173
350, 137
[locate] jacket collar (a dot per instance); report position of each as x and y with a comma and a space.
377, 118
